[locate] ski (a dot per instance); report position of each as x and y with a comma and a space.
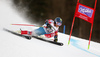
28, 37
49, 41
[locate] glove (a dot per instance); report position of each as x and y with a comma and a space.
55, 40
47, 23
48, 26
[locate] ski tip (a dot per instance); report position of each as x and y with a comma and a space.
62, 44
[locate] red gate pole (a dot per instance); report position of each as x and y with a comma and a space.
72, 24
71, 30
92, 24
90, 36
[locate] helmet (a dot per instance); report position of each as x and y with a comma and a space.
58, 21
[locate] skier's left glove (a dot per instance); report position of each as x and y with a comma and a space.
55, 40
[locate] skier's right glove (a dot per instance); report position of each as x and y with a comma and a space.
48, 25
46, 22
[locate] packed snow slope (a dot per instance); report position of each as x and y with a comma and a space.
15, 46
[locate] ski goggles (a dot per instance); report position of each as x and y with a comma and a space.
59, 24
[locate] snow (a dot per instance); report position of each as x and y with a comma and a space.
15, 46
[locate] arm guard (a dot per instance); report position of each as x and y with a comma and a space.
56, 34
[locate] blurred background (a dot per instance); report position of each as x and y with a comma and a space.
37, 11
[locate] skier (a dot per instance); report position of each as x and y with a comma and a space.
49, 29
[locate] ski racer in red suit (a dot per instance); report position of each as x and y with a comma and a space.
49, 29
